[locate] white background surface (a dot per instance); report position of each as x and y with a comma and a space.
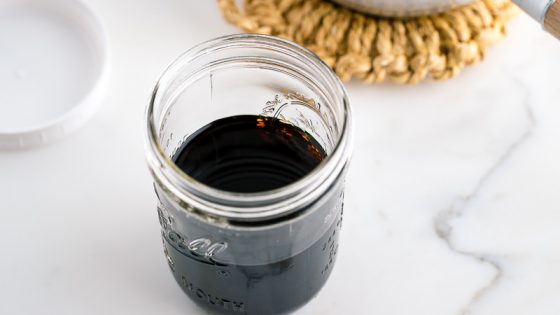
452, 204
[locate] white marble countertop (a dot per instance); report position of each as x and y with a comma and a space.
453, 198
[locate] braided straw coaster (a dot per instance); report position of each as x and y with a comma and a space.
374, 49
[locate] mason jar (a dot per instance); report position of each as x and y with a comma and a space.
266, 252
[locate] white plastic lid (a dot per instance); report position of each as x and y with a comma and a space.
54, 64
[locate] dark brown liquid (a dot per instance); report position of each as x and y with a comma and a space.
253, 154
273, 288
249, 154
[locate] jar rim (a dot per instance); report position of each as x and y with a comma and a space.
200, 198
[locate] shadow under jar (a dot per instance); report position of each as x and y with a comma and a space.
255, 251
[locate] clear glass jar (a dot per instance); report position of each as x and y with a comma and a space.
249, 253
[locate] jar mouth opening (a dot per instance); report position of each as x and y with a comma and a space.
203, 199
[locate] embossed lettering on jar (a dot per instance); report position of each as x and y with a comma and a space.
248, 143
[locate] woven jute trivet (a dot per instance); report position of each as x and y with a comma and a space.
374, 49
